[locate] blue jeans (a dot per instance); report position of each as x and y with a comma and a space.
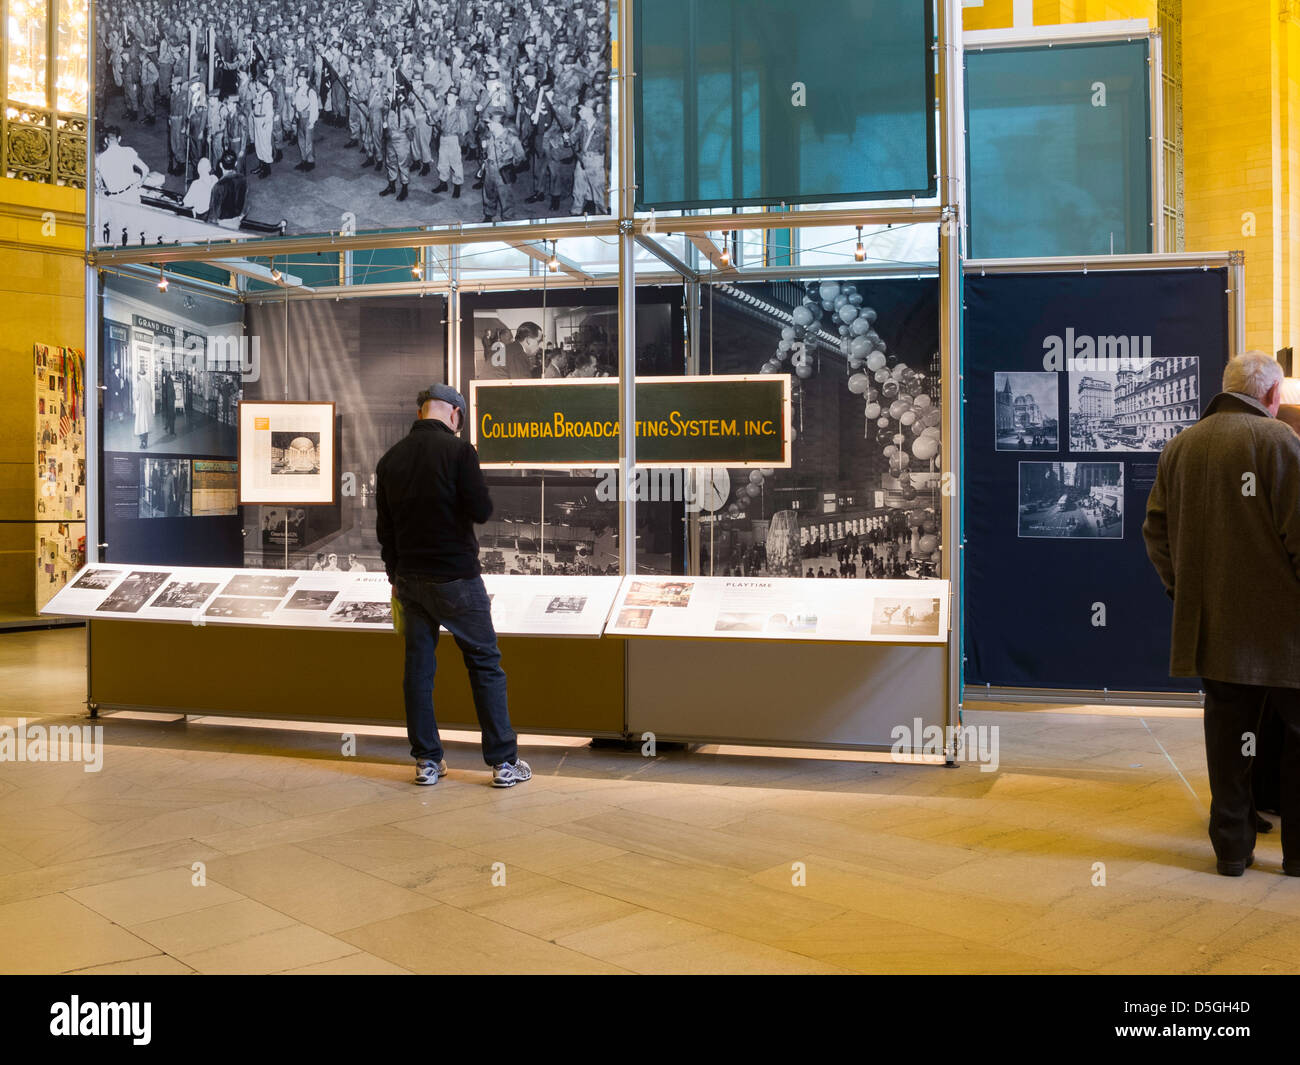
462, 606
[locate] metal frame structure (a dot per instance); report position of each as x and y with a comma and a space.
1101, 33
630, 231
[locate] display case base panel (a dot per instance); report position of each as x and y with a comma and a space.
780, 693
570, 687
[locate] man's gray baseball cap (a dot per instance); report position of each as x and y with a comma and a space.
447, 394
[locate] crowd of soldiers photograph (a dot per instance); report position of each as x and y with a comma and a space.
221, 111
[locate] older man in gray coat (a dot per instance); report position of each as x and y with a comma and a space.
1223, 531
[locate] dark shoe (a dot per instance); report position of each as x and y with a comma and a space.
379, 164
264, 171
424, 170
401, 195
311, 166
456, 193
1235, 868
555, 203
487, 218
352, 143
588, 207
389, 189
276, 155
440, 187
1291, 866
536, 197
300, 166
1263, 825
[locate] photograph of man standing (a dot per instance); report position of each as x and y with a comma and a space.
429, 495
1223, 532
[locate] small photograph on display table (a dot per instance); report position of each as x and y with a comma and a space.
905, 617
164, 488
233, 607
1063, 500
365, 613
183, 595
135, 590
97, 580
311, 599
1027, 408
800, 621
259, 584
729, 622
566, 604
1140, 407
634, 618
652, 595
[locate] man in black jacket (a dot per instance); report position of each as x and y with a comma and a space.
429, 494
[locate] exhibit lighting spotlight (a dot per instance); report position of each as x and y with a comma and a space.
726, 252
415, 271
276, 275
553, 263
860, 253
162, 280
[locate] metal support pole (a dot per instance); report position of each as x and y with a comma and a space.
626, 299
1237, 304
453, 374
1157, 97
952, 200
693, 559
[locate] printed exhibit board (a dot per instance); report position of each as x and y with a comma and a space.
866, 611
872, 611
318, 599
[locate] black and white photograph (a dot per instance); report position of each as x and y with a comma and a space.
363, 613
904, 617
1140, 407
1064, 500
311, 599
229, 119
136, 589
249, 609
183, 595
802, 621
97, 580
566, 604
554, 342
295, 454
164, 488
1027, 411
263, 584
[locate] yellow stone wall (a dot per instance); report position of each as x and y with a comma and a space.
42, 281
1241, 139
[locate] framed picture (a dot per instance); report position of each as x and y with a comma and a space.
287, 454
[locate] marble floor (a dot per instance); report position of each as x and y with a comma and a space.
206, 846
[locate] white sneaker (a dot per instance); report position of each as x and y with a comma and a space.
428, 772
508, 774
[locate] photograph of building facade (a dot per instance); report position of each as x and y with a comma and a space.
1025, 411
1140, 407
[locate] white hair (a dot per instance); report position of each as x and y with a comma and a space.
1252, 374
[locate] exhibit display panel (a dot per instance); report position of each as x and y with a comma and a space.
861, 495
541, 606
755, 609
1058, 153
1074, 383
390, 116
769, 101
370, 359
172, 367
59, 499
